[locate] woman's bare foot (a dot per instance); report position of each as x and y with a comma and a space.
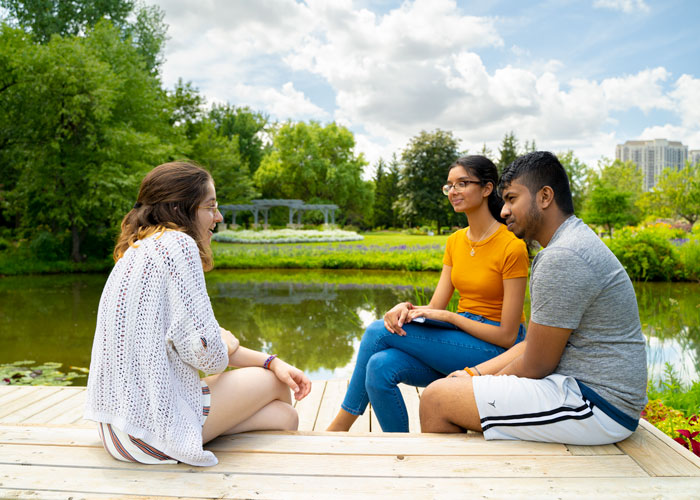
342, 422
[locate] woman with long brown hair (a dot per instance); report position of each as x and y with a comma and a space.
156, 331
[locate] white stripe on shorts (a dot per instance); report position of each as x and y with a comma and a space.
551, 409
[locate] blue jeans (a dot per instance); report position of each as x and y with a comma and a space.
424, 355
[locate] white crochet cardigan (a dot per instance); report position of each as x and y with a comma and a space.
155, 330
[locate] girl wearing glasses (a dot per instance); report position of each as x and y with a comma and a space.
156, 330
416, 345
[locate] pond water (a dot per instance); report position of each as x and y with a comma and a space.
311, 318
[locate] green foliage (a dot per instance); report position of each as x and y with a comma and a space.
386, 192
608, 207
221, 155
613, 191
676, 193
690, 258
508, 152
671, 422
245, 124
577, 172
317, 164
426, 160
647, 253
135, 22
92, 123
49, 247
23, 373
672, 392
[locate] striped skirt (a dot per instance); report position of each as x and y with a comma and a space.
127, 448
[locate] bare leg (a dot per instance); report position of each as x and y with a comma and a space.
342, 421
243, 399
448, 405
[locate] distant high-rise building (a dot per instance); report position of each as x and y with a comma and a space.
694, 156
652, 157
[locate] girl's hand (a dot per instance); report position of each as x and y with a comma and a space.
459, 373
397, 317
230, 341
438, 314
293, 377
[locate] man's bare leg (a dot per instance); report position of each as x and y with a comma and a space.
448, 405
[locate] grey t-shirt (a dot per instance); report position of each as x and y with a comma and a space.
578, 283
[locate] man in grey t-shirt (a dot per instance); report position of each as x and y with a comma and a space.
580, 375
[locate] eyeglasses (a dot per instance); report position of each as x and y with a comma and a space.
458, 186
212, 208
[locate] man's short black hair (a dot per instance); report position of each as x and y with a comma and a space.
537, 170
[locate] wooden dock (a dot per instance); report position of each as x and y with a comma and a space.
47, 451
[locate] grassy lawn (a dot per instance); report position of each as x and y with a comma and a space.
378, 250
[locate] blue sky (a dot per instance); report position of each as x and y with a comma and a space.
582, 75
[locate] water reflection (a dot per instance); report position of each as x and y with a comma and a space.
311, 318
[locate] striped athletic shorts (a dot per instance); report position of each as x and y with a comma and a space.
127, 448
552, 409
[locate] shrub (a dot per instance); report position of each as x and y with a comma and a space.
647, 254
690, 258
4, 244
49, 247
674, 424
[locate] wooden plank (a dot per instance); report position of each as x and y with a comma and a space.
297, 442
620, 466
6, 390
383, 444
73, 415
118, 484
677, 447
76, 399
74, 495
16, 393
605, 449
655, 455
330, 404
410, 398
49, 435
26, 398
307, 408
32, 409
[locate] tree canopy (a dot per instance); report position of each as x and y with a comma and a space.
426, 160
316, 164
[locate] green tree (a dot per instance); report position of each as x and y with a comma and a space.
676, 194
316, 164
618, 177
577, 172
220, 154
508, 152
607, 206
386, 192
92, 122
142, 25
248, 125
486, 151
426, 160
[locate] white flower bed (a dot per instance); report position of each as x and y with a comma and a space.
286, 236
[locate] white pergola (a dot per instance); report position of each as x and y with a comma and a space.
296, 207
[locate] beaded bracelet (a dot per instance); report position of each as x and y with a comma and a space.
266, 365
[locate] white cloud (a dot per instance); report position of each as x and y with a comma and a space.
643, 91
287, 103
419, 66
627, 6
687, 95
